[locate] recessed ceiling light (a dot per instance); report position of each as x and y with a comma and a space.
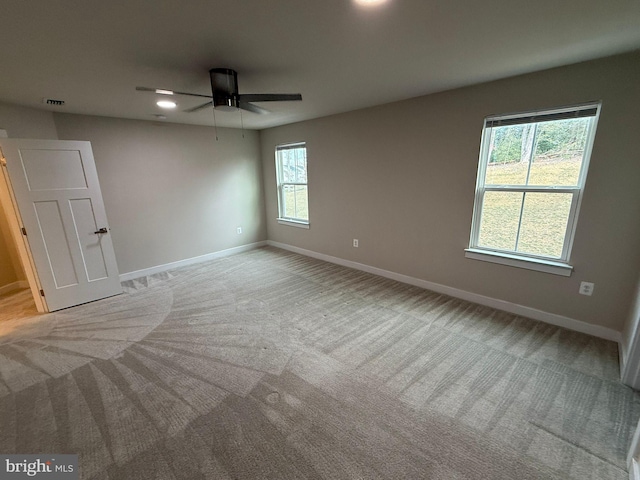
164, 92
370, 3
166, 104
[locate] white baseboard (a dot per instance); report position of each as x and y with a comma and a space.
189, 261
12, 287
551, 318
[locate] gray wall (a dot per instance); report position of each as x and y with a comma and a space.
22, 122
401, 179
171, 191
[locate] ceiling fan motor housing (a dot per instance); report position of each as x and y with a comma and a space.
224, 86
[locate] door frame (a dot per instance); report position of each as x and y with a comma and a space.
8, 202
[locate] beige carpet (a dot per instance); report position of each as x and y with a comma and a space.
272, 365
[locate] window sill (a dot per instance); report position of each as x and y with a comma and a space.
546, 266
293, 223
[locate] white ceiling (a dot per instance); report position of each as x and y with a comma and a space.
339, 56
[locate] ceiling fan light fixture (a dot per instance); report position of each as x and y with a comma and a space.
225, 103
226, 108
166, 104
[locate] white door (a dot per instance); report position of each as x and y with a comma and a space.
58, 198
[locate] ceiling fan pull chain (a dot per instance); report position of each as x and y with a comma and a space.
215, 127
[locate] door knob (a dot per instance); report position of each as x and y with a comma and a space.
102, 230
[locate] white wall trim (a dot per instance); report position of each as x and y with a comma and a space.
293, 223
190, 261
634, 452
629, 364
630, 346
623, 355
551, 318
12, 287
634, 470
546, 266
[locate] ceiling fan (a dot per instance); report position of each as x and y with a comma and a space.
225, 96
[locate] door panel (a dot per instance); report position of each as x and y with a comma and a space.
53, 170
56, 187
56, 243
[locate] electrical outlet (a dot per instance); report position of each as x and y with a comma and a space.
586, 288
355, 242
239, 230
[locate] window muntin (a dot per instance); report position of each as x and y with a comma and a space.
293, 194
531, 176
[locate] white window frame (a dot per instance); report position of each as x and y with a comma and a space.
558, 266
282, 218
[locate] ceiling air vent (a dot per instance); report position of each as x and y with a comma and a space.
51, 101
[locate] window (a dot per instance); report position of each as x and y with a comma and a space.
531, 176
293, 194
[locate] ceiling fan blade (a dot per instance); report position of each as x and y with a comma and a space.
253, 108
269, 97
166, 91
199, 107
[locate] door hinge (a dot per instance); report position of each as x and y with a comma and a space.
24, 231
42, 293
